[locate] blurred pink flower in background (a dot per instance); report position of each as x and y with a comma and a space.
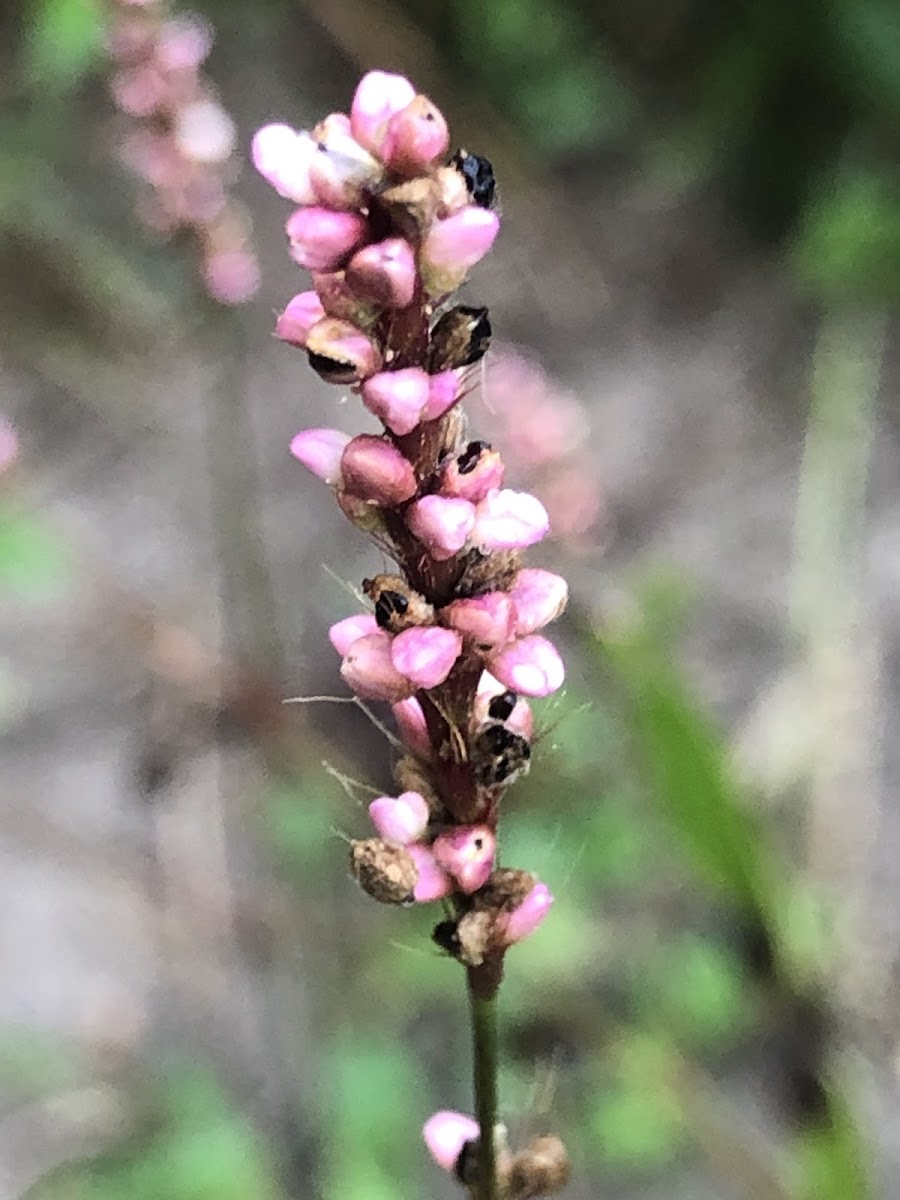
181, 141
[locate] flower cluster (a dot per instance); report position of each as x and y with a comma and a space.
389, 224
181, 141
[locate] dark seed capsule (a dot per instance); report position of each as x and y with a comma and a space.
499, 756
333, 370
468, 459
388, 605
446, 937
500, 708
479, 176
461, 337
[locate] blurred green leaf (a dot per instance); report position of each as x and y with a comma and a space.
299, 824
830, 1161
695, 990
31, 560
636, 1126
64, 41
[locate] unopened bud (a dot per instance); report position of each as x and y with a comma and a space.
323, 240
416, 137
378, 97
373, 469
454, 245
397, 397
531, 665
384, 273
466, 852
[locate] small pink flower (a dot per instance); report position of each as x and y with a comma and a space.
369, 670
454, 245
342, 170
322, 240
374, 469
539, 597
446, 1133
473, 473
320, 451
397, 397
340, 352
467, 854
416, 136
378, 97
508, 520
425, 654
531, 666
433, 883
443, 392
442, 523
384, 273
344, 633
530, 914
488, 620
282, 156
302, 312
401, 819
412, 727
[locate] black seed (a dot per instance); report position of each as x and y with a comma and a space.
461, 337
445, 936
388, 605
332, 370
500, 708
479, 176
469, 457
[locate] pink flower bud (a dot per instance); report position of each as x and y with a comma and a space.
282, 156
368, 669
397, 397
320, 451
433, 883
302, 312
539, 597
442, 523
443, 392
416, 136
402, 819
467, 853
518, 718
454, 245
340, 352
473, 473
344, 633
508, 520
445, 1134
531, 666
489, 620
342, 170
412, 727
384, 273
374, 469
425, 654
378, 97
322, 240
525, 919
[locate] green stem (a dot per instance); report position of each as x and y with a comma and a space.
483, 1008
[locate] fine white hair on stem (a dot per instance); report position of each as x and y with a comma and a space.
360, 704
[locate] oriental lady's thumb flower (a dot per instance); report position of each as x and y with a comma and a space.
389, 224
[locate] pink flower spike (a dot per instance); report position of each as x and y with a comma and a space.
425, 654
442, 523
473, 473
282, 156
445, 1134
416, 136
443, 392
433, 883
525, 919
344, 633
302, 312
488, 620
397, 397
340, 352
531, 666
378, 97
402, 819
508, 520
374, 469
384, 273
369, 671
454, 245
320, 451
539, 597
322, 240
413, 728
467, 853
